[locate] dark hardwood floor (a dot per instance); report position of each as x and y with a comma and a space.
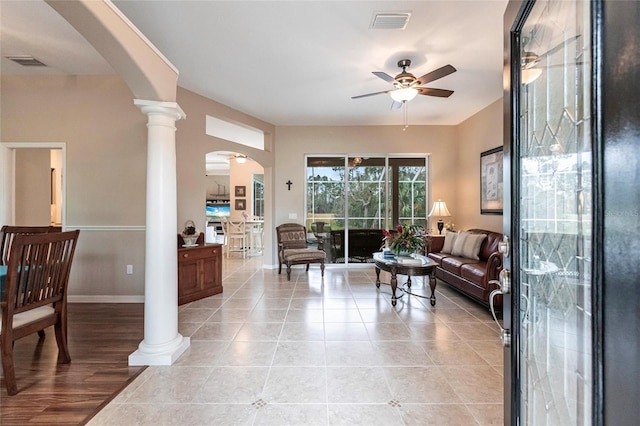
101, 337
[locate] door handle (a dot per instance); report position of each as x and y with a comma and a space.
504, 287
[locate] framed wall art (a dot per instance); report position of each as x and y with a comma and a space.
241, 204
241, 191
491, 183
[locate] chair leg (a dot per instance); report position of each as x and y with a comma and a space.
288, 272
61, 338
41, 334
307, 267
7, 367
322, 268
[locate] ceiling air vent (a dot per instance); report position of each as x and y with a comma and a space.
26, 61
390, 20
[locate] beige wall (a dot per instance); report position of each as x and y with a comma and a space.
106, 136
33, 187
241, 175
294, 142
477, 134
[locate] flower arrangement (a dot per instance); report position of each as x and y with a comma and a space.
408, 239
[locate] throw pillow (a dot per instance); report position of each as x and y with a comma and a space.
468, 245
449, 240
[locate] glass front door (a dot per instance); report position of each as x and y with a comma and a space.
551, 215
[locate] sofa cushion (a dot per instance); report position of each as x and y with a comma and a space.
475, 272
449, 240
468, 245
454, 263
438, 257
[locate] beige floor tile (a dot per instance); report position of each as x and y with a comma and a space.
436, 414
287, 385
300, 354
348, 331
217, 331
242, 385
420, 385
400, 354
452, 352
364, 414
474, 331
431, 331
322, 351
379, 331
259, 332
342, 315
185, 383
475, 383
487, 414
203, 353
267, 315
359, 353
357, 385
302, 331
305, 315
256, 354
292, 414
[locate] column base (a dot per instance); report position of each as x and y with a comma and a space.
166, 355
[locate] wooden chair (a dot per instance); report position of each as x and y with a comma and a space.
8, 233
35, 293
293, 250
235, 231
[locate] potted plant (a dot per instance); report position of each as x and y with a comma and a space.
406, 240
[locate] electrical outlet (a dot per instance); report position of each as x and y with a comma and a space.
129, 269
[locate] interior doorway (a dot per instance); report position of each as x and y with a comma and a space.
33, 184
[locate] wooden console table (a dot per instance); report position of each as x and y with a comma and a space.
199, 271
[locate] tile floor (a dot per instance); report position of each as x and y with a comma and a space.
322, 352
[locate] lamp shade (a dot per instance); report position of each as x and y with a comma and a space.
439, 209
403, 95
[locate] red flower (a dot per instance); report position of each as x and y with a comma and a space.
400, 228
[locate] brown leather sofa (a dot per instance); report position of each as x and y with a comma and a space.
470, 276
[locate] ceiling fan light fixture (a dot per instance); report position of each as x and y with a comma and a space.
404, 95
241, 159
529, 75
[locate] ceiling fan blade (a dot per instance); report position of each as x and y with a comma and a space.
370, 94
384, 76
439, 93
396, 105
435, 75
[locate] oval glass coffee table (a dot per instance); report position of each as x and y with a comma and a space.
415, 266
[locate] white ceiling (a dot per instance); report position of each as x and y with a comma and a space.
291, 62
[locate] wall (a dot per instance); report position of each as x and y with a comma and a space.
479, 133
294, 142
105, 137
192, 143
242, 175
33, 187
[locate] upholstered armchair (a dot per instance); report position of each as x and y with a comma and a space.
293, 250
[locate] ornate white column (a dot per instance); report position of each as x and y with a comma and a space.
162, 343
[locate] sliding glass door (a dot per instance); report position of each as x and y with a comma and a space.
350, 199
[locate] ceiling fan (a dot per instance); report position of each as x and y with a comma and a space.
407, 86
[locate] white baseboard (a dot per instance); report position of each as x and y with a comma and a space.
105, 299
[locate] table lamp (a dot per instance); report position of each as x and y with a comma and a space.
439, 210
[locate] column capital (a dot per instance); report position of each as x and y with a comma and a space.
171, 109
